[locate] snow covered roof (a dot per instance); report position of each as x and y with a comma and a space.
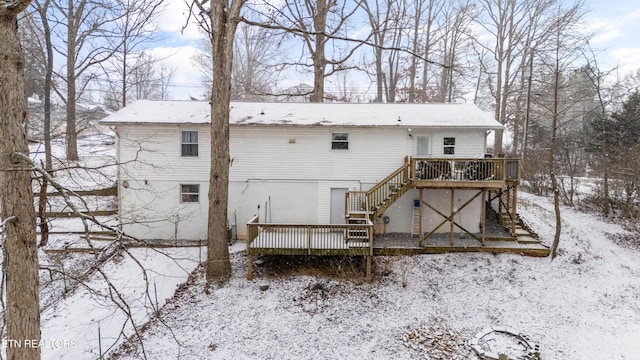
307, 114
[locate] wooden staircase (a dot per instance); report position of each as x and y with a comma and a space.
358, 234
372, 204
519, 229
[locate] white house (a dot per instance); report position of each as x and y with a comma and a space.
294, 163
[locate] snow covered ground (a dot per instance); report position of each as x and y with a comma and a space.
583, 305
100, 314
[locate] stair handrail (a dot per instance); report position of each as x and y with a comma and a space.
402, 170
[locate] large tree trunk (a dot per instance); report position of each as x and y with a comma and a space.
319, 60
71, 136
552, 152
224, 21
18, 213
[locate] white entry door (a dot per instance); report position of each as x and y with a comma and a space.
423, 145
337, 205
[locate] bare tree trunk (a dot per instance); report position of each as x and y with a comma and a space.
16, 196
378, 20
125, 73
418, 4
605, 181
427, 48
318, 54
48, 83
71, 135
552, 151
224, 21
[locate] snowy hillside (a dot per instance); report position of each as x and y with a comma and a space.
583, 305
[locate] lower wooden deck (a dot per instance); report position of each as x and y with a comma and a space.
405, 244
316, 243
394, 244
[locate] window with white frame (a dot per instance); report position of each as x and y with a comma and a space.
189, 193
449, 146
340, 141
189, 143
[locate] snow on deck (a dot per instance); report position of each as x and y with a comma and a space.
332, 240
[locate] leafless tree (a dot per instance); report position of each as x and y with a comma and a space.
378, 12
134, 32
146, 79
455, 34
220, 22
85, 28
398, 19
557, 61
18, 214
509, 23
256, 54
40, 51
317, 24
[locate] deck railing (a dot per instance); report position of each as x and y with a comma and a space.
311, 239
389, 185
356, 202
375, 198
447, 169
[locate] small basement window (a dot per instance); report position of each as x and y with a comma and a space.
189, 193
340, 141
449, 145
189, 143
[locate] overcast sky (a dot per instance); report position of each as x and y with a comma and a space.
617, 24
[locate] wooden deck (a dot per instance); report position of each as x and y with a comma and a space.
304, 243
309, 239
404, 244
496, 180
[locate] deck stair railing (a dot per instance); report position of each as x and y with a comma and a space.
358, 213
378, 199
442, 171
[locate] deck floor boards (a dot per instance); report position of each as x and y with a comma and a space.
405, 244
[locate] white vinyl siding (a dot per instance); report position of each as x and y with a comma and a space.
287, 170
153, 152
468, 143
373, 153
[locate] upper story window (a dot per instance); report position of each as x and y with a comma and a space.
189, 193
449, 146
189, 143
339, 141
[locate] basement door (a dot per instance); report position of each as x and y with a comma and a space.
337, 209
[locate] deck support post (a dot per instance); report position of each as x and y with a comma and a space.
309, 240
500, 195
514, 210
370, 257
483, 216
452, 228
249, 266
420, 214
